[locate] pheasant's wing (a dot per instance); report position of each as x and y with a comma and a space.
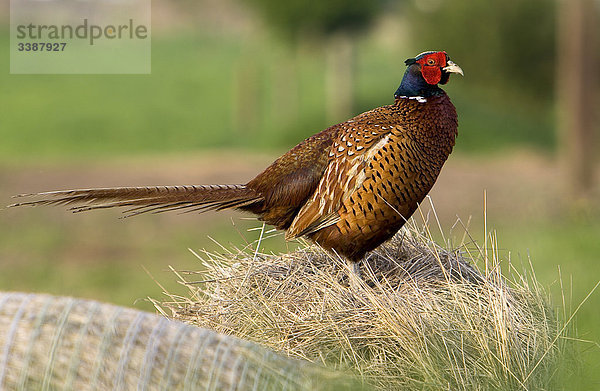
288, 183
294, 176
348, 168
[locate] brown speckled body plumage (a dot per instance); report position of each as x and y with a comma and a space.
348, 188
364, 177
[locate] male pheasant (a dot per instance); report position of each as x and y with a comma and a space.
348, 188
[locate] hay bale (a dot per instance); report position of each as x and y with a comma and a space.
61, 343
424, 318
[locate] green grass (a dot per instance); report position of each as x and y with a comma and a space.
102, 257
570, 250
194, 100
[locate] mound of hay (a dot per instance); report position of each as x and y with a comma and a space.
423, 318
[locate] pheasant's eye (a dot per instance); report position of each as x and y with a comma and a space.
431, 61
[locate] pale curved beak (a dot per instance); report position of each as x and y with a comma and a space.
453, 68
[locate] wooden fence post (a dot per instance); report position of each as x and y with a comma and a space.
577, 92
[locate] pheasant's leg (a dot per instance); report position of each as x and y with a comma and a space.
355, 266
355, 275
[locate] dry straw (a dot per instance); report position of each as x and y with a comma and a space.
425, 317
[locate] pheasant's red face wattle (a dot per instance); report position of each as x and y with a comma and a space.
431, 66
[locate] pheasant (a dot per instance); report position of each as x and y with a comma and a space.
348, 188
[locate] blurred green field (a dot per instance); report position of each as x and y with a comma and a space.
192, 100
189, 106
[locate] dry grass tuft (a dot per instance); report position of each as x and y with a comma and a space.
425, 317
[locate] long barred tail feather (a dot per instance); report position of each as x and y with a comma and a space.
155, 199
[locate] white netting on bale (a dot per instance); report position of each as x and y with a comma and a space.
61, 343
